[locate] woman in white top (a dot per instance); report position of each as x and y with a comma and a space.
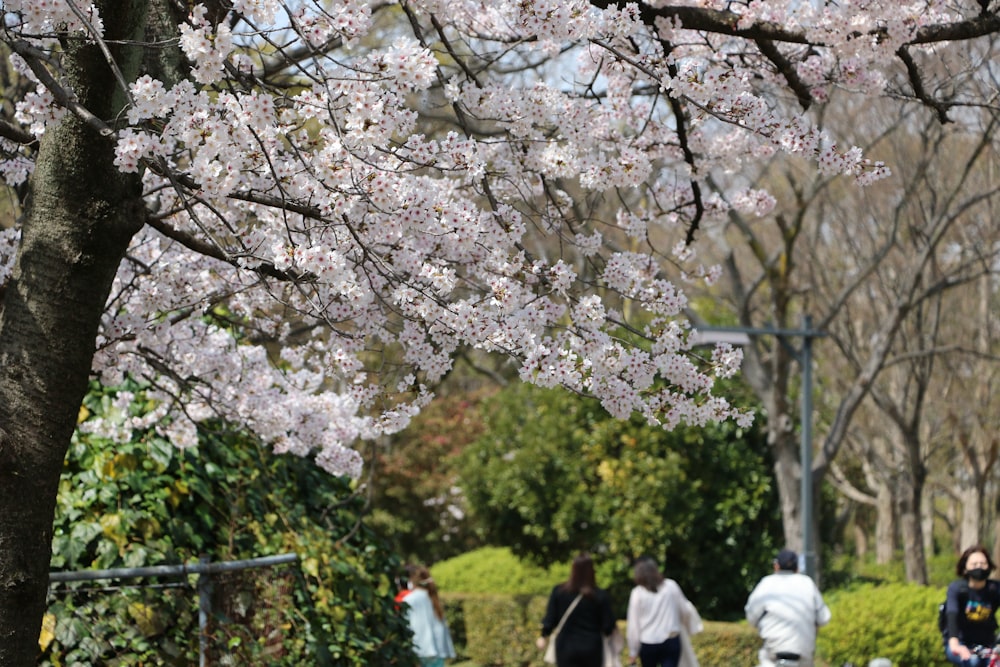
658, 612
431, 638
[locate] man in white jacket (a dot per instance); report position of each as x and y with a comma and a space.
787, 609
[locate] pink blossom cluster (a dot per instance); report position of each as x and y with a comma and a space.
505, 177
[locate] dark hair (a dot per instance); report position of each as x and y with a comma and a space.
974, 549
403, 578
647, 574
421, 576
581, 576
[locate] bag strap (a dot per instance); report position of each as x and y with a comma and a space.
566, 615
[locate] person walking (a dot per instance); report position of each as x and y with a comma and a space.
584, 612
659, 619
425, 614
970, 608
787, 609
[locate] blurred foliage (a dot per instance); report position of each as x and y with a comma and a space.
525, 481
496, 570
897, 621
145, 503
417, 503
554, 474
845, 571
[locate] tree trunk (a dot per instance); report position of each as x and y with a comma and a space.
971, 502
781, 437
885, 526
927, 521
79, 218
911, 531
910, 493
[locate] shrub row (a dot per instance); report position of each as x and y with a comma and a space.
500, 630
894, 621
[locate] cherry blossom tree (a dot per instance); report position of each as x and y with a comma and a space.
293, 215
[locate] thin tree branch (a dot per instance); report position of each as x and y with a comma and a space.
787, 70
16, 133
918, 86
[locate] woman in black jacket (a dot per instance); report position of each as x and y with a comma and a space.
580, 641
971, 608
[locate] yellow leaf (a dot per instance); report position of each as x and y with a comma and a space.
48, 631
119, 462
111, 525
149, 621
177, 491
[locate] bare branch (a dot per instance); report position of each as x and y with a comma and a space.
801, 90
728, 23
36, 59
918, 86
16, 133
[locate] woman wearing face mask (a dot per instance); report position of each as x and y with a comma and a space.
970, 607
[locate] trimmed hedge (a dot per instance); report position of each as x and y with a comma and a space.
500, 631
496, 570
894, 621
726, 645
495, 630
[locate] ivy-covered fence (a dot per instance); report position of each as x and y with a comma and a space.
234, 607
141, 502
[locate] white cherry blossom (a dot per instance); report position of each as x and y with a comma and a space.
333, 186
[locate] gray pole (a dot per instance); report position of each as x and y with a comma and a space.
204, 611
184, 569
807, 554
809, 557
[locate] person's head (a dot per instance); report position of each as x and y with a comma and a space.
786, 561
581, 576
645, 573
975, 563
421, 577
403, 578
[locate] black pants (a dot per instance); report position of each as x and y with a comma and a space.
667, 654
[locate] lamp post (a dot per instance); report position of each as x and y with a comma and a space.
741, 336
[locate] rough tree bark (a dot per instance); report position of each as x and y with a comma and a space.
80, 215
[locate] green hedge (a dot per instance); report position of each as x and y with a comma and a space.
495, 629
496, 570
894, 621
147, 503
726, 645
500, 631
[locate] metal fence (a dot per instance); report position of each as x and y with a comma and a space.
206, 572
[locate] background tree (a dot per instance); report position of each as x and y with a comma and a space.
527, 483
930, 265
554, 475
261, 224
872, 268
417, 501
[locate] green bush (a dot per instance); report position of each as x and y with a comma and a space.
496, 570
497, 629
894, 621
941, 568
726, 645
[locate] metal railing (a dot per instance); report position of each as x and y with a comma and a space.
203, 569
